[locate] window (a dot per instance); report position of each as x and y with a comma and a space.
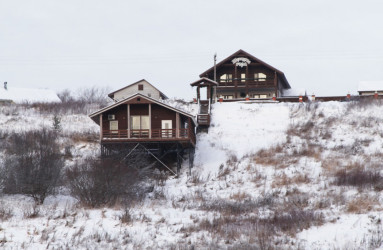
140, 87
262, 96
226, 78
227, 97
243, 77
259, 77
113, 125
139, 123
256, 96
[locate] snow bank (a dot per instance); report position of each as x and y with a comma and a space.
19, 95
240, 129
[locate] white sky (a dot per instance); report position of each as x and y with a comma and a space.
325, 47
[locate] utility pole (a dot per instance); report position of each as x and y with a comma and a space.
215, 78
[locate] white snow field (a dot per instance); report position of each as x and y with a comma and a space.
265, 176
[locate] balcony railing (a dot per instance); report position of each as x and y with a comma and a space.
183, 133
248, 82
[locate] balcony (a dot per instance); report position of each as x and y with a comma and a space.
182, 134
251, 83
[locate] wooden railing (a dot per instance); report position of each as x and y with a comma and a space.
249, 83
203, 119
144, 133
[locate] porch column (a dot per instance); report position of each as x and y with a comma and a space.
247, 79
101, 135
177, 125
276, 84
128, 120
150, 120
235, 81
198, 93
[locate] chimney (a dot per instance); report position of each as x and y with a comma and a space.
5, 86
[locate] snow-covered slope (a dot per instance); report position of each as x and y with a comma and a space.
266, 176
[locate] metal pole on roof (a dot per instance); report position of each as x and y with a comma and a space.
215, 78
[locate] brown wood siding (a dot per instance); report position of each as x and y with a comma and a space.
120, 113
139, 109
160, 113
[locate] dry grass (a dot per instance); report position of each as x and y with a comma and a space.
284, 180
362, 204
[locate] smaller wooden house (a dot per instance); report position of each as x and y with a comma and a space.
139, 118
142, 87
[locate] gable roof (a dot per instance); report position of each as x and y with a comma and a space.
203, 80
161, 93
280, 73
19, 95
144, 97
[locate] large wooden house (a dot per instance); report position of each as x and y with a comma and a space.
243, 75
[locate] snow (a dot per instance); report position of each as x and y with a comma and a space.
241, 129
227, 168
20, 95
294, 92
370, 86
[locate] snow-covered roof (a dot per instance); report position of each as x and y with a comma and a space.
370, 86
19, 95
294, 92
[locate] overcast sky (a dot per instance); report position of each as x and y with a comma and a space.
325, 47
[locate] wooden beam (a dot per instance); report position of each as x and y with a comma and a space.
177, 125
101, 127
246, 81
276, 84
235, 81
150, 120
128, 120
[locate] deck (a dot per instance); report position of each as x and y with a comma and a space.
145, 135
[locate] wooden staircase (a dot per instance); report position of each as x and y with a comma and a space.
203, 117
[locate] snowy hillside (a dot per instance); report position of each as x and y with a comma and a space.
266, 176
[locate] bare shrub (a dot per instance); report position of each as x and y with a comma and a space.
96, 182
126, 216
33, 164
228, 207
358, 178
31, 212
294, 220
94, 95
5, 213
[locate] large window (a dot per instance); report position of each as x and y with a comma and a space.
259, 77
226, 78
139, 125
139, 122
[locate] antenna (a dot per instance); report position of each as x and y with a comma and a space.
215, 68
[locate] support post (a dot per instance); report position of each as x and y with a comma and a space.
246, 80
101, 129
235, 81
276, 84
150, 120
128, 120
178, 125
